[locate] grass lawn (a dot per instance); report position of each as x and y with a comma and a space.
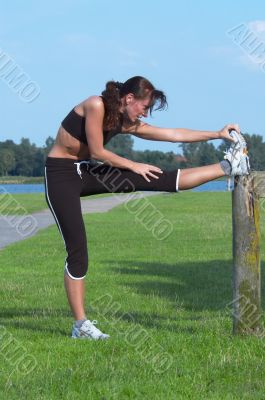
164, 303
21, 179
21, 204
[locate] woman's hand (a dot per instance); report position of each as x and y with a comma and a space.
225, 132
146, 170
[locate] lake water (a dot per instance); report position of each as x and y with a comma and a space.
214, 186
22, 188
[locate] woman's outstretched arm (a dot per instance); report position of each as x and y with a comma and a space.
149, 132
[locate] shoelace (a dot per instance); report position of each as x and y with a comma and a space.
244, 142
231, 151
93, 328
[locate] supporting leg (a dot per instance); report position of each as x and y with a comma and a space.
75, 290
64, 201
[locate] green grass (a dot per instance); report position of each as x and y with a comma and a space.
172, 293
21, 179
20, 204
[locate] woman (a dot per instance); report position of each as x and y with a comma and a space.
79, 165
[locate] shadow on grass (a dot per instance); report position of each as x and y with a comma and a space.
194, 286
188, 286
35, 319
158, 321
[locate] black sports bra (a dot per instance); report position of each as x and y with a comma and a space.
74, 124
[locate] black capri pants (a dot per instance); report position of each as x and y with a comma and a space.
67, 180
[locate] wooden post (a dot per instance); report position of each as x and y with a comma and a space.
246, 255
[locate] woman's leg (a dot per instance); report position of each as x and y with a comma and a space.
104, 179
63, 187
192, 177
75, 291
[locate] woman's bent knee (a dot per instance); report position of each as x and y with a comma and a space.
77, 269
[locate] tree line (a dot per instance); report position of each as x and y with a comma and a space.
23, 159
26, 159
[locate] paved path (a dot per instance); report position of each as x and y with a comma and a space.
14, 228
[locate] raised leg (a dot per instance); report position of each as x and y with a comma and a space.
192, 177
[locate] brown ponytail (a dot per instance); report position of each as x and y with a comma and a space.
112, 102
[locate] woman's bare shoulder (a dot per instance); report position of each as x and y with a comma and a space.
92, 102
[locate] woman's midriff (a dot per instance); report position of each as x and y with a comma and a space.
66, 146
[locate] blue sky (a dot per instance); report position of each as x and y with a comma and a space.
69, 49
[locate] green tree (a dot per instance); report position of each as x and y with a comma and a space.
256, 148
25, 155
49, 142
39, 162
122, 145
200, 153
166, 161
7, 161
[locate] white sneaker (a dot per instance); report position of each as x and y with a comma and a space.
88, 331
237, 155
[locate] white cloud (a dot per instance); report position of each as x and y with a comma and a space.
96, 50
257, 26
247, 45
128, 58
245, 60
133, 58
222, 51
78, 40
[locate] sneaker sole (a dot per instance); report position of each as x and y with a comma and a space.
89, 338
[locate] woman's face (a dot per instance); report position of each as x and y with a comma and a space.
136, 108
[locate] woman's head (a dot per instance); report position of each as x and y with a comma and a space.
135, 98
